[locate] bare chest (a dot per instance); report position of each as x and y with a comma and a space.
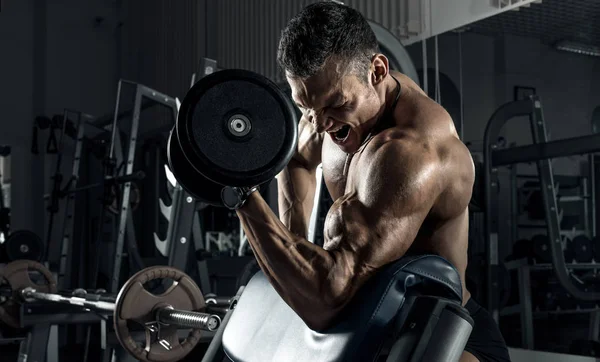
338, 169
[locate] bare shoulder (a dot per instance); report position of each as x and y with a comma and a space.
399, 164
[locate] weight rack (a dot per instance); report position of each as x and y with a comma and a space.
541, 151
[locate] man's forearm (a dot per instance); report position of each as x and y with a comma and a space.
296, 192
296, 268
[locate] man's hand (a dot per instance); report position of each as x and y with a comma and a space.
369, 227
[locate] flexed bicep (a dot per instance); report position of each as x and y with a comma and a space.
376, 222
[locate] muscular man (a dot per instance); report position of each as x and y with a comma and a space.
392, 161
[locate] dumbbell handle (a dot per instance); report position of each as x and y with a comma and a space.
165, 315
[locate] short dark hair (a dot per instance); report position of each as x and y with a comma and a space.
323, 30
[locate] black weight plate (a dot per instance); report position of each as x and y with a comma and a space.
541, 247
191, 180
24, 245
188, 177
582, 249
206, 138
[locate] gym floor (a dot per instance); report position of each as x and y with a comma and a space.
111, 233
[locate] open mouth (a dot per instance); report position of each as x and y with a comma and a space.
340, 134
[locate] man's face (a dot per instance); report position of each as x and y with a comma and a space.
337, 102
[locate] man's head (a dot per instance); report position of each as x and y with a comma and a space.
330, 57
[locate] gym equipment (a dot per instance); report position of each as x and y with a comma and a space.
160, 315
416, 299
582, 249
583, 347
247, 273
596, 248
523, 248
540, 151
234, 128
24, 245
541, 248
20, 275
135, 198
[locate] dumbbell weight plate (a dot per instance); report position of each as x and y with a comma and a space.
188, 177
136, 305
541, 248
582, 249
18, 276
237, 128
24, 245
135, 198
191, 180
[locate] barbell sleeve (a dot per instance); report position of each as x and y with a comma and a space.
188, 319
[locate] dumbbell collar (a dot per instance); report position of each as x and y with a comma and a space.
235, 197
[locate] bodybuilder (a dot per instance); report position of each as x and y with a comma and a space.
392, 161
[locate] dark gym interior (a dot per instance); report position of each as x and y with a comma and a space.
133, 134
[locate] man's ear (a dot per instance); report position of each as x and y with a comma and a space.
380, 67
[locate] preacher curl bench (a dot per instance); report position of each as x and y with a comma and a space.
410, 311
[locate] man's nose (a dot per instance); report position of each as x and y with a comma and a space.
321, 122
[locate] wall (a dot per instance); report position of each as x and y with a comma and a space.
17, 34
163, 42
57, 56
492, 67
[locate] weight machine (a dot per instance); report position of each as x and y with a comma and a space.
541, 151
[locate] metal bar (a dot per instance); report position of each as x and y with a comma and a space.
514, 205
38, 336
586, 211
592, 159
126, 189
115, 120
492, 131
55, 200
314, 216
180, 226
69, 223
552, 149
526, 308
97, 305
594, 327
155, 96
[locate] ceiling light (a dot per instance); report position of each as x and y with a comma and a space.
578, 48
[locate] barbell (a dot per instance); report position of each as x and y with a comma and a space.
234, 128
181, 305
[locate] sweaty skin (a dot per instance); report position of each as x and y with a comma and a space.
406, 190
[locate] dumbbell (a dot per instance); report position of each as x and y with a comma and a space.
235, 129
582, 249
578, 249
180, 306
